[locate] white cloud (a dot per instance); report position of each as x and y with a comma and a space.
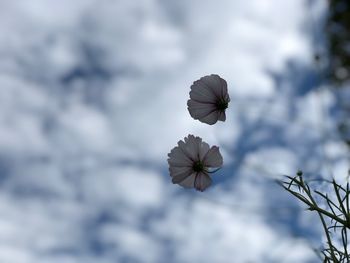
93, 96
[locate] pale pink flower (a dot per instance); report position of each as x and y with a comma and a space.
190, 161
208, 99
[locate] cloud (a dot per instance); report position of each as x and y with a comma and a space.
93, 96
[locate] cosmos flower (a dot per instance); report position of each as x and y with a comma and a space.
190, 161
208, 99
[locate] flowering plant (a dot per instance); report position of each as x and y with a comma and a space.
335, 216
190, 162
193, 160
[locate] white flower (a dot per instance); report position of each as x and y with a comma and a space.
208, 99
189, 163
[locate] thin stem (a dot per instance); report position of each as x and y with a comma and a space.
314, 206
336, 190
329, 240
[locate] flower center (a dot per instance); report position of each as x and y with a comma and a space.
198, 166
221, 105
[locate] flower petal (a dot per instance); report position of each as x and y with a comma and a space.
200, 105
213, 158
200, 94
202, 181
189, 181
217, 85
178, 158
199, 110
227, 97
203, 150
222, 116
203, 90
211, 118
192, 144
181, 176
177, 170
224, 92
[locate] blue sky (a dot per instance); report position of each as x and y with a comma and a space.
92, 98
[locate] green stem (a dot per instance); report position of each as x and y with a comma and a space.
329, 240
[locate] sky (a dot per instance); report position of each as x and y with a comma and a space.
93, 97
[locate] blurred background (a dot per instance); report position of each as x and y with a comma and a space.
93, 97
